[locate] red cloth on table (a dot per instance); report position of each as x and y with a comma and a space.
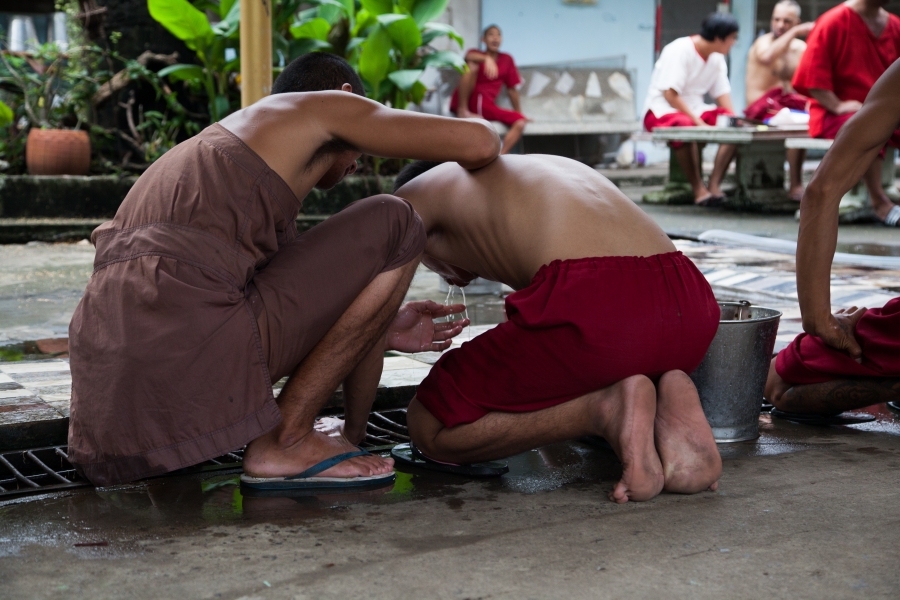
774, 100
483, 101
844, 56
580, 326
809, 360
679, 119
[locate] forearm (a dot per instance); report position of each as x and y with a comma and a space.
816, 243
677, 102
777, 48
827, 98
473, 56
360, 387
724, 101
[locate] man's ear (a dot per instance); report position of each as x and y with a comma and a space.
346, 88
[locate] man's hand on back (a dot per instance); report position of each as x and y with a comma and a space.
414, 329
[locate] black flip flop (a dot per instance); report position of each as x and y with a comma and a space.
596, 441
895, 406
847, 418
409, 455
712, 202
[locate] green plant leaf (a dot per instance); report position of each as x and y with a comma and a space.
378, 7
364, 20
433, 30
182, 72
315, 29
406, 78
225, 7
231, 22
428, 10
183, 21
222, 106
404, 33
374, 58
445, 58
333, 10
418, 92
353, 43
306, 45
6, 114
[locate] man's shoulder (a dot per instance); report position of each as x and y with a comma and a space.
762, 41
797, 45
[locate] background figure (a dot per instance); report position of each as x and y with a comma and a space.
688, 69
850, 47
850, 359
478, 89
771, 63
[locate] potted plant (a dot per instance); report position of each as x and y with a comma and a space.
38, 81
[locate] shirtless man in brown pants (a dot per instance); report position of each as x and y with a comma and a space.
203, 293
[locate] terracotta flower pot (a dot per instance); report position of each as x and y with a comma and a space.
58, 152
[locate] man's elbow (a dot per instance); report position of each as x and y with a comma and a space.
484, 148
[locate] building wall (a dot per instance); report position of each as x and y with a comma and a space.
551, 31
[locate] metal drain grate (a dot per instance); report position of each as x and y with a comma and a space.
44, 470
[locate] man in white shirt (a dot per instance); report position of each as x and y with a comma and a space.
688, 69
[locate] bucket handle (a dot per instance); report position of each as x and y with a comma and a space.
744, 305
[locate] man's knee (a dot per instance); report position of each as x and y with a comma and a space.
395, 225
423, 427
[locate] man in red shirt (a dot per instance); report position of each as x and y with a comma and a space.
478, 89
850, 47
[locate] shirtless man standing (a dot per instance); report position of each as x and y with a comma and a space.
771, 63
606, 321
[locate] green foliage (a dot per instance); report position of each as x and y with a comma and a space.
387, 41
190, 25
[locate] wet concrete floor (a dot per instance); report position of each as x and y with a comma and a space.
801, 512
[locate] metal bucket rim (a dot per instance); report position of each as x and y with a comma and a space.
778, 314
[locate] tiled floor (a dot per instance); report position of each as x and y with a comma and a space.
40, 391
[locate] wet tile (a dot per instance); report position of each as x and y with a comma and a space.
404, 377
34, 367
738, 280
28, 413
15, 393
402, 362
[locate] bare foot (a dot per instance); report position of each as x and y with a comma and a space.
796, 193
775, 385
465, 113
684, 439
266, 457
624, 414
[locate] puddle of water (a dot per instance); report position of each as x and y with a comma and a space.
870, 249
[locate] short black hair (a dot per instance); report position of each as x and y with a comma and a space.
317, 72
489, 27
718, 25
413, 170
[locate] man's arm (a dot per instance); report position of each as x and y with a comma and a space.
832, 103
677, 102
724, 101
854, 149
483, 60
766, 54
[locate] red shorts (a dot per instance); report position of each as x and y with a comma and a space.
774, 100
484, 107
580, 326
809, 360
832, 123
679, 119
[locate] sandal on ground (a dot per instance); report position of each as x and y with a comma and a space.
847, 418
712, 201
307, 480
893, 217
409, 455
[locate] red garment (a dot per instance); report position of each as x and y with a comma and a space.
809, 360
483, 100
832, 123
842, 55
679, 119
580, 326
774, 100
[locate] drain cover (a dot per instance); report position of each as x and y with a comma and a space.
44, 470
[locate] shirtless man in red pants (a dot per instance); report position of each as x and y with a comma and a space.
477, 93
606, 321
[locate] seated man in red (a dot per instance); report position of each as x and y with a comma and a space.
850, 359
607, 320
478, 89
688, 69
771, 64
848, 50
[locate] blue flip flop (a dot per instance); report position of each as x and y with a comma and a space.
307, 480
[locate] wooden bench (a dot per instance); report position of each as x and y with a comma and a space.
570, 107
759, 170
855, 205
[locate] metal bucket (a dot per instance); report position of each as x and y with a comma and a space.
731, 379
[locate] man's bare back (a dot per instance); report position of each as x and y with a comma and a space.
506, 220
763, 77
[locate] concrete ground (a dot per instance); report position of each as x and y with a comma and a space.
803, 512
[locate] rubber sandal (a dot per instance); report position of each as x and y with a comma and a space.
307, 480
893, 217
596, 441
712, 201
894, 406
847, 418
408, 455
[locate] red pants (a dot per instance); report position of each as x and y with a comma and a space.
832, 123
580, 326
484, 107
809, 360
773, 101
679, 119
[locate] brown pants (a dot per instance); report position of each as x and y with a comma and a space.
306, 287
